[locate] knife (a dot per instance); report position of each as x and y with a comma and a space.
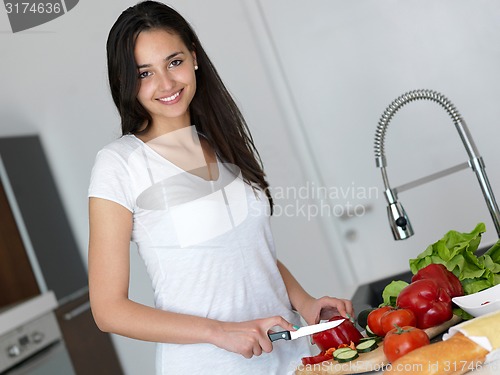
304, 331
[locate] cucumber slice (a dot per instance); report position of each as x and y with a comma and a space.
369, 332
340, 350
367, 346
362, 339
376, 338
347, 356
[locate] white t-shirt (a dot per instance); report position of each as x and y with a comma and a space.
208, 249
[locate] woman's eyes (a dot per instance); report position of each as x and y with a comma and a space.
175, 63
172, 64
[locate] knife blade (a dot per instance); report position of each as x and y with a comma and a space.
304, 331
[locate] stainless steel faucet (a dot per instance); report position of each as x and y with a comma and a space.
400, 224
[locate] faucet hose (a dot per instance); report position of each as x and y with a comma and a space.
400, 102
475, 160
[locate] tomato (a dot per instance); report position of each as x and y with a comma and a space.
374, 320
400, 341
399, 317
342, 334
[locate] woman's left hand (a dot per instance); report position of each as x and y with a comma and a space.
313, 310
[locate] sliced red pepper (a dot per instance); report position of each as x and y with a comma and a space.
321, 357
334, 337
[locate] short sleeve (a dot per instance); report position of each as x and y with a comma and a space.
110, 179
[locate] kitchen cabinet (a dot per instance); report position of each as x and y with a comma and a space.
49, 238
38, 253
91, 351
16, 277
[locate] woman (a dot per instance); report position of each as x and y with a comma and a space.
182, 193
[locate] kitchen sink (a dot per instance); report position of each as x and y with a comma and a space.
370, 294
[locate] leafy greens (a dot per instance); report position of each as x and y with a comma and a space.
391, 292
456, 251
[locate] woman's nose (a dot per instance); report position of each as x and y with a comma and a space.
165, 81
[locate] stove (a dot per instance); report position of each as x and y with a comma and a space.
30, 339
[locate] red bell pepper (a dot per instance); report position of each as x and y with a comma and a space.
342, 334
444, 278
430, 303
316, 359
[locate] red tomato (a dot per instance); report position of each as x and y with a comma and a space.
397, 317
374, 320
400, 341
342, 334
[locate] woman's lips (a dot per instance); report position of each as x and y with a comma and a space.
172, 99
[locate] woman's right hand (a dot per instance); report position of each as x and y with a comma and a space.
249, 338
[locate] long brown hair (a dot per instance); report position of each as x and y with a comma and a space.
212, 110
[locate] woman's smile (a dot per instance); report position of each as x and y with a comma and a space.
171, 99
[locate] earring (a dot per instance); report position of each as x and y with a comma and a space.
196, 67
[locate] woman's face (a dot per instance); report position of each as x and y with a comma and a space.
166, 77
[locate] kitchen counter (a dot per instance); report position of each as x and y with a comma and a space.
370, 295
374, 360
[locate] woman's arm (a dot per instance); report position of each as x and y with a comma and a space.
109, 261
311, 309
109, 248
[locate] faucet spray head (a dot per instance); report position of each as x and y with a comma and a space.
398, 220
400, 224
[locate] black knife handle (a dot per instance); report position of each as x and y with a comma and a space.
285, 335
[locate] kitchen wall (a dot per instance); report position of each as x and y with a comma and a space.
347, 62
54, 84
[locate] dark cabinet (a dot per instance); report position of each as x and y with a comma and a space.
17, 280
44, 254
30, 179
91, 351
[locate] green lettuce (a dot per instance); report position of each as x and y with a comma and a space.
391, 292
461, 313
456, 251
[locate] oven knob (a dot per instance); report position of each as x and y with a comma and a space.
37, 337
13, 351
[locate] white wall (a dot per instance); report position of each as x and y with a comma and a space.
53, 82
344, 62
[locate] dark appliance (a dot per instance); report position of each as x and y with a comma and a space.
39, 257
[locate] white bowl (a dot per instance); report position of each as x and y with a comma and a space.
480, 303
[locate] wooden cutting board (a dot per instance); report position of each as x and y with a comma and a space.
366, 362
